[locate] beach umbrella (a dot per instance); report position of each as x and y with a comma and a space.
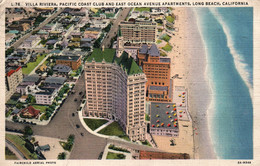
169, 125
169, 116
157, 105
180, 115
171, 111
157, 121
180, 111
174, 105
172, 120
183, 93
182, 101
168, 106
180, 104
162, 124
183, 96
167, 112
158, 125
157, 115
153, 125
174, 109
175, 119
175, 125
179, 95
174, 114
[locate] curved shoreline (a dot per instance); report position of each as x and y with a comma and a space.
199, 89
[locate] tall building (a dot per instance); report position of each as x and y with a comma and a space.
157, 70
138, 31
13, 77
115, 89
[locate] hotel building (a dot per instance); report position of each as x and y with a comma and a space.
138, 31
13, 77
72, 61
115, 89
157, 71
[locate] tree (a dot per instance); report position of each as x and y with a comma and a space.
62, 156
50, 72
28, 131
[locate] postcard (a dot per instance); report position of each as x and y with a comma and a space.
130, 82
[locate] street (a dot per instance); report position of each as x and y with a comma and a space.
114, 29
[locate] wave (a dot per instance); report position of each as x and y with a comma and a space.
238, 58
207, 75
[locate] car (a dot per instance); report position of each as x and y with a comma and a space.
80, 93
73, 114
75, 99
81, 134
77, 126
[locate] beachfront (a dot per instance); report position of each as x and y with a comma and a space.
189, 64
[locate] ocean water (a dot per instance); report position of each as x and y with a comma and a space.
227, 34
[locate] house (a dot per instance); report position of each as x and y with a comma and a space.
46, 96
15, 112
34, 78
23, 98
55, 80
31, 41
72, 61
30, 112
62, 69
99, 24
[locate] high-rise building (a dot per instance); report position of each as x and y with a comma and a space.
157, 70
13, 77
138, 31
115, 89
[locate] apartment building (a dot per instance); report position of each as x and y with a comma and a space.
45, 97
138, 31
157, 70
13, 77
72, 61
115, 89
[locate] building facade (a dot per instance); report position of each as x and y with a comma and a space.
13, 77
115, 89
138, 31
72, 61
157, 71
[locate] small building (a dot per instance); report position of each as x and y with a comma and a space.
23, 98
62, 69
72, 61
45, 97
34, 78
55, 80
30, 112
45, 147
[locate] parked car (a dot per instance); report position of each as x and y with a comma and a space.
75, 99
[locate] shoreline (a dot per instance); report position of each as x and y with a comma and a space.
191, 64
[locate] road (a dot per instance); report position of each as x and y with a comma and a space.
19, 42
114, 29
63, 124
14, 149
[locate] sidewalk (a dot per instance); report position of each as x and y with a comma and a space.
103, 126
128, 156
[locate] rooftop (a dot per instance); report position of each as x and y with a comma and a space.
164, 113
31, 78
165, 59
46, 92
109, 55
55, 80
62, 68
71, 58
160, 88
153, 51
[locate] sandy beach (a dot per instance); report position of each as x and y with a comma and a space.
189, 62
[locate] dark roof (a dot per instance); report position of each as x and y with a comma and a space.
108, 55
31, 78
61, 68
161, 109
69, 58
165, 59
55, 80
16, 111
143, 49
31, 110
45, 147
160, 88
93, 29
51, 41
153, 51
46, 92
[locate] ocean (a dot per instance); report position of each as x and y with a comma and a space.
227, 34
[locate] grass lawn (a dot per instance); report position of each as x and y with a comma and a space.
167, 47
170, 19
166, 37
32, 65
111, 155
113, 129
41, 108
158, 41
162, 53
142, 9
9, 155
95, 123
146, 143
19, 143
